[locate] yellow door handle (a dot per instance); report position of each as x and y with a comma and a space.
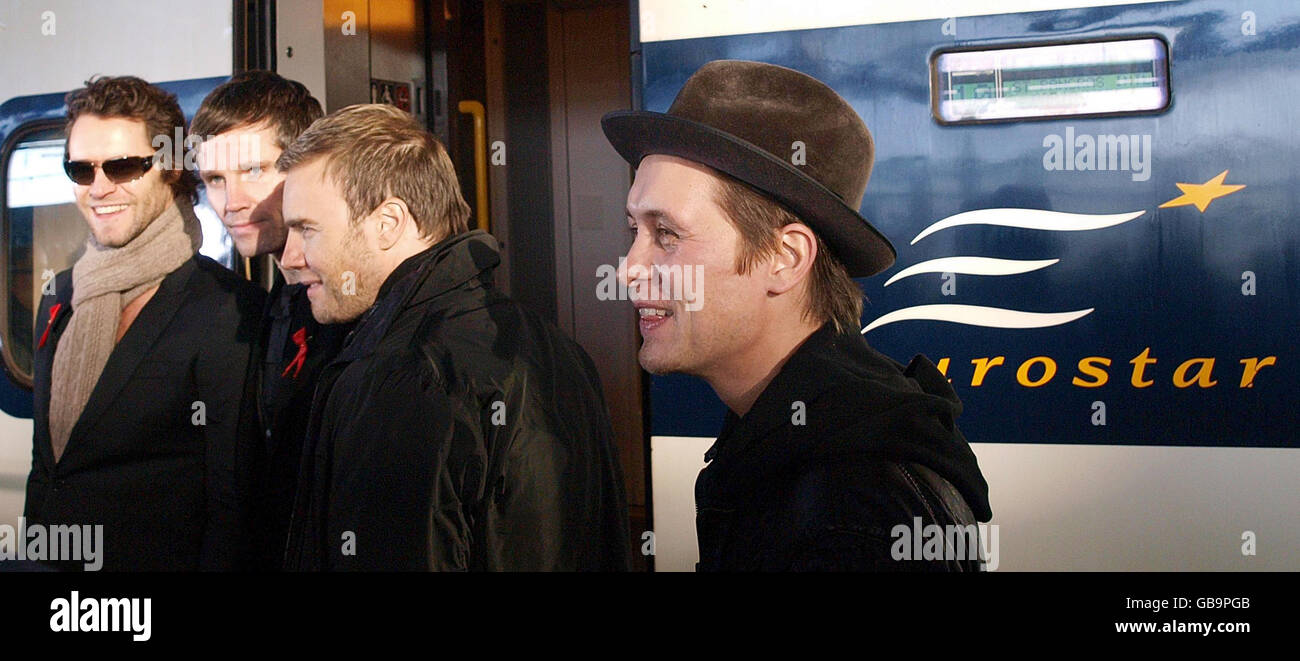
480, 161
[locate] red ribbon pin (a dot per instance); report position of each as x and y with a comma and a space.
54, 314
300, 339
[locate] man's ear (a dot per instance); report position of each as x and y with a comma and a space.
392, 217
792, 263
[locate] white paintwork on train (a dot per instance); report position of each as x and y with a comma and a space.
665, 20
1077, 507
157, 40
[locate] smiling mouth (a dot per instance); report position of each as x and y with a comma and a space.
649, 317
109, 209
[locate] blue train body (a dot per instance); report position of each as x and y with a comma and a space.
1191, 312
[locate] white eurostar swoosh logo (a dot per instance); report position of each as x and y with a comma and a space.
1034, 219
994, 317
979, 315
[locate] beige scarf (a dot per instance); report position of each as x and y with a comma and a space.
104, 281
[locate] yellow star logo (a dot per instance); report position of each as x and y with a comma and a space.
1202, 194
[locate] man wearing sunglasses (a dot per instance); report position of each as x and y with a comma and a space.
245, 123
142, 352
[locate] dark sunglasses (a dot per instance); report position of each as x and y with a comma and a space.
118, 170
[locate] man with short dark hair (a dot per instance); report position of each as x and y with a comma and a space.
245, 123
828, 445
457, 430
139, 368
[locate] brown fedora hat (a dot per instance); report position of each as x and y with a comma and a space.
744, 118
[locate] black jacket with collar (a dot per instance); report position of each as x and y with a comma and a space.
458, 431
278, 404
145, 459
842, 446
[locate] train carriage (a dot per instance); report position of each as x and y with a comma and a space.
1092, 204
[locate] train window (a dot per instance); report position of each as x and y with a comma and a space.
1088, 78
44, 233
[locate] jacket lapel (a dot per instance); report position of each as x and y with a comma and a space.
134, 346
43, 362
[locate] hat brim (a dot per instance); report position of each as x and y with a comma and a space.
859, 246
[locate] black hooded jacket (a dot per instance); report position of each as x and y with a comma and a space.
843, 446
457, 430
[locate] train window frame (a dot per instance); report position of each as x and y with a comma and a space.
20, 135
1166, 79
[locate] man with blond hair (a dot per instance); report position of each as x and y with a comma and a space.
456, 430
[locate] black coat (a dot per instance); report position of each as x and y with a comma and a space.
843, 445
458, 431
278, 404
162, 486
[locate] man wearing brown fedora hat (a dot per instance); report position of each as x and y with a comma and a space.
829, 448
